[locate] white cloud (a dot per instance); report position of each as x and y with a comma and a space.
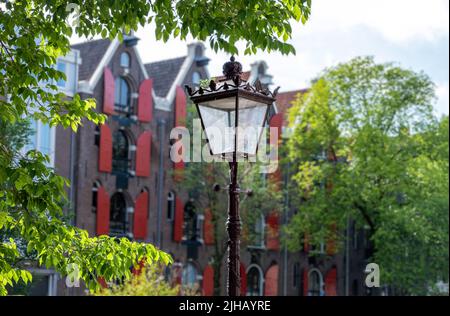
395, 20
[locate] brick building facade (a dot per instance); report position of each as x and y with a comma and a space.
123, 183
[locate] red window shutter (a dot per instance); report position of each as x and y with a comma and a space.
178, 220
243, 276
143, 154
180, 107
178, 273
272, 236
137, 270
105, 149
306, 243
102, 282
145, 102
102, 211
305, 283
208, 281
141, 216
208, 228
108, 91
331, 242
271, 281
330, 282
178, 168
277, 122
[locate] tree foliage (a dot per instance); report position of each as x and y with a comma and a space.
367, 146
148, 281
33, 34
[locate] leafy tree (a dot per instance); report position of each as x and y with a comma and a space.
33, 35
149, 281
366, 146
15, 135
207, 182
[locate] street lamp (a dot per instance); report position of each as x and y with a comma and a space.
233, 113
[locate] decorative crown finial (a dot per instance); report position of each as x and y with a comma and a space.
232, 68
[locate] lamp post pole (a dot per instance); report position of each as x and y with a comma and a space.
233, 70
234, 230
215, 108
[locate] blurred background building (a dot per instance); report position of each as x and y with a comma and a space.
123, 184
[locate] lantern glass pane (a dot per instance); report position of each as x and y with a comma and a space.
219, 129
218, 117
251, 121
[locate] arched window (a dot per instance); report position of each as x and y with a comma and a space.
122, 95
315, 283
125, 60
254, 281
170, 206
118, 215
196, 79
189, 276
121, 146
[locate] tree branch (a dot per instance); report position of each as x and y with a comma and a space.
366, 216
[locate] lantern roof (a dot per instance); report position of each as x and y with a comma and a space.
232, 83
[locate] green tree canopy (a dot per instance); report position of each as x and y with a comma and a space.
33, 34
367, 146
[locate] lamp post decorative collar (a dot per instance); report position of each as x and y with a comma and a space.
232, 71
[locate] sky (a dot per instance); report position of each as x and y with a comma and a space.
412, 33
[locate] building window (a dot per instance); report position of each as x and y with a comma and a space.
258, 233
122, 95
94, 196
61, 66
189, 275
125, 60
196, 79
322, 248
199, 226
315, 283
190, 222
261, 70
69, 66
42, 140
97, 136
45, 283
170, 206
254, 281
118, 215
199, 51
121, 145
